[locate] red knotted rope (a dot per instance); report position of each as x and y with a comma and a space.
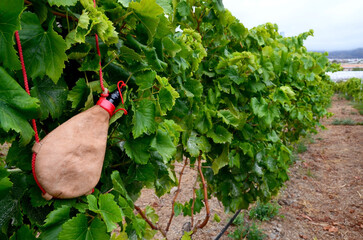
26, 84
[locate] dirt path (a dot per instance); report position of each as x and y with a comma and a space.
322, 200
324, 197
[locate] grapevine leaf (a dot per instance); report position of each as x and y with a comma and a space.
222, 160
5, 183
54, 221
238, 30
163, 145
57, 216
44, 51
234, 159
9, 23
8, 208
79, 93
183, 8
36, 198
166, 5
92, 203
220, 135
170, 46
16, 107
148, 8
247, 149
144, 118
145, 80
144, 173
125, 3
78, 228
53, 97
99, 21
128, 53
18, 156
167, 95
195, 144
108, 208
62, 2
138, 150
193, 88
229, 118
24, 233
203, 122
259, 107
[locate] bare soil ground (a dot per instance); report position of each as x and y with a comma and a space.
322, 200
324, 197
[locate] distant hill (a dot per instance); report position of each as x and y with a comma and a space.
356, 53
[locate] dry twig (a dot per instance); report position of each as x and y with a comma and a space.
176, 195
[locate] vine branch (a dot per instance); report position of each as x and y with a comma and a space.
205, 195
176, 195
138, 209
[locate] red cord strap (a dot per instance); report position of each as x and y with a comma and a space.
26, 84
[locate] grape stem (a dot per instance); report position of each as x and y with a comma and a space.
138, 209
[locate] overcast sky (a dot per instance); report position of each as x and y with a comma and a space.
337, 24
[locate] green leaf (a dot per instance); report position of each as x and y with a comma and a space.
125, 3
220, 135
247, 149
5, 183
183, 8
9, 23
234, 159
144, 118
195, 144
228, 117
78, 228
178, 208
53, 97
57, 216
148, 8
44, 51
163, 144
144, 173
170, 46
62, 2
167, 95
99, 22
53, 223
118, 184
221, 161
16, 107
79, 93
138, 149
238, 31
108, 208
193, 88
128, 53
90, 63
24, 233
166, 5
259, 108
145, 80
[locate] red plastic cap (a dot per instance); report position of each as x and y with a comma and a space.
107, 105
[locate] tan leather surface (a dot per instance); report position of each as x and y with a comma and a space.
70, 158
